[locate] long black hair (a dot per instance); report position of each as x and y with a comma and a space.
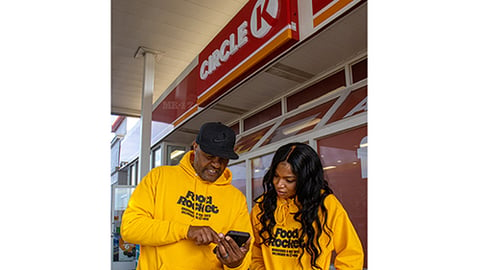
311, 191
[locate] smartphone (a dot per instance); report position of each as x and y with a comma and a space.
239, 237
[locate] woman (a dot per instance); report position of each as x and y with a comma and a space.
298, 222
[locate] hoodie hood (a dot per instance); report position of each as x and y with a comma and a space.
284, 208
185, 163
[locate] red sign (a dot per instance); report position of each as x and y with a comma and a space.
260, 29
318, 5
326, 9
180, 100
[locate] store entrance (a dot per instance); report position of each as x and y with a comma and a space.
123, 254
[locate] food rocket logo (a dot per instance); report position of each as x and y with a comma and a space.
285, 243
263, 17
197, 206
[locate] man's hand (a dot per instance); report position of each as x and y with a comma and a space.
229, 253
202, 235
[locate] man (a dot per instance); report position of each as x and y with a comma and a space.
178, 214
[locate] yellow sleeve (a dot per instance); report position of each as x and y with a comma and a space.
138, 223
345, 239
257, 256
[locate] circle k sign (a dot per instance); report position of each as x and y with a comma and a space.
263, 17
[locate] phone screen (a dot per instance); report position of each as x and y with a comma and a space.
239, 237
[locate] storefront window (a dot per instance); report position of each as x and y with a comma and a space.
344, 159
122, 251
263, 116
175, 154
355, 103
157, 157
359, 71
115, 156
247, 142
260, 167
299, 123
317, 90
133, 174
236, 128
238, 176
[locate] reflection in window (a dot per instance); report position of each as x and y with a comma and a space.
299, 123
260, 167
238, 176
133, 174
175, 154
157, 157
355, 103
236, 128
362, 154
317, 90
359, 71
122, 251
247, 142
263, 116
344, 157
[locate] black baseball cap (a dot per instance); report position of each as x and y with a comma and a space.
217, 139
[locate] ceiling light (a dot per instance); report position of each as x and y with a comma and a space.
329, 168
301, 126
176, 153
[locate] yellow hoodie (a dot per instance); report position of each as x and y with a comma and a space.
166, 202
283, 252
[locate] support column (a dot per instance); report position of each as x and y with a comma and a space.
146, 117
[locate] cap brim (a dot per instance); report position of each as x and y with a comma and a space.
225, 155
233, 156
222, 154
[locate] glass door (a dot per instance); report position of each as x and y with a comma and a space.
123, 253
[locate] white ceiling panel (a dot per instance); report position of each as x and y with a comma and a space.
180, 29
